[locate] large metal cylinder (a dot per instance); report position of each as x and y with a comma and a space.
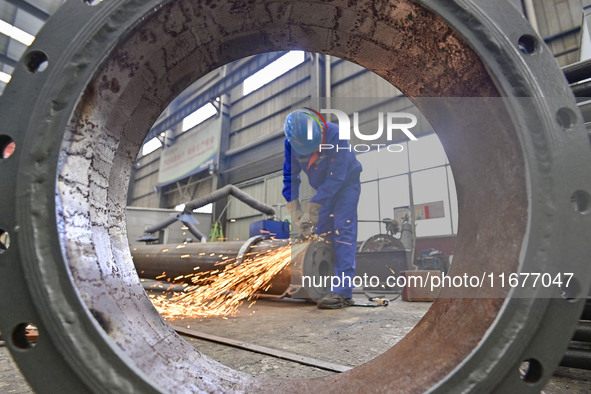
176, 262
180, 263
96, 79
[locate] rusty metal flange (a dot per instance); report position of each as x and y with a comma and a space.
97, 77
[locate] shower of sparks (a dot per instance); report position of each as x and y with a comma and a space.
221, 292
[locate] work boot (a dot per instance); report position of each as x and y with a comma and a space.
334, 301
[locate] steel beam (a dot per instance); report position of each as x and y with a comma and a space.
232, 79
7, 60
30, 9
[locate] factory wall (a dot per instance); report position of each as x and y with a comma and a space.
142, 190
559, 24
251, 154
254, 156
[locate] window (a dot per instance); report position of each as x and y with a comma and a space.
199, 116
15, 33
151, 146
4, 77
273, 71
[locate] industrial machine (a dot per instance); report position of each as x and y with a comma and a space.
383, 255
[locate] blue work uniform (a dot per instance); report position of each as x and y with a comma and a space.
335, 177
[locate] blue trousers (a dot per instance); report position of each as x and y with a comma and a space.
337, 223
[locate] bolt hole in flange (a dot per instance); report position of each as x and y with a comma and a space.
7, 147
36, 61
25, 336
4, 241
528, 44
92, 2
531, 370
566, 118
580, 202
570, 289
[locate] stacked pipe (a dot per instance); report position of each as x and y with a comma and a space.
578, 354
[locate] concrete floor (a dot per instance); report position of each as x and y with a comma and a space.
346, 337
11, 380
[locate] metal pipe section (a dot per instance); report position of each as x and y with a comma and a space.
577, 358
577, 72
578, 354
175, 261
586, 315
582, 90
162, 225
583, 332
184, 217
181, 263
194, 230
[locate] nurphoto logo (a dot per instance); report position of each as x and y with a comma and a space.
388, 123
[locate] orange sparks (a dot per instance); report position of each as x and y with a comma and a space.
221, 292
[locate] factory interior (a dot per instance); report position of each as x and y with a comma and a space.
165, 229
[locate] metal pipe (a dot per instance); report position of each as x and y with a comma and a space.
577, 71
585, 108
194, 230
234, 191
586, 315
180, 263
162, 225
582, 90
582, 333
562, 34
186, 218
576, 358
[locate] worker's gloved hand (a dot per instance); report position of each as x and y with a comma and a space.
309, 219
295, 211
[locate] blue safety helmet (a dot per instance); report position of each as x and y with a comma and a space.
296, 131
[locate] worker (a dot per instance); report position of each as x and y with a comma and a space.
332, 212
